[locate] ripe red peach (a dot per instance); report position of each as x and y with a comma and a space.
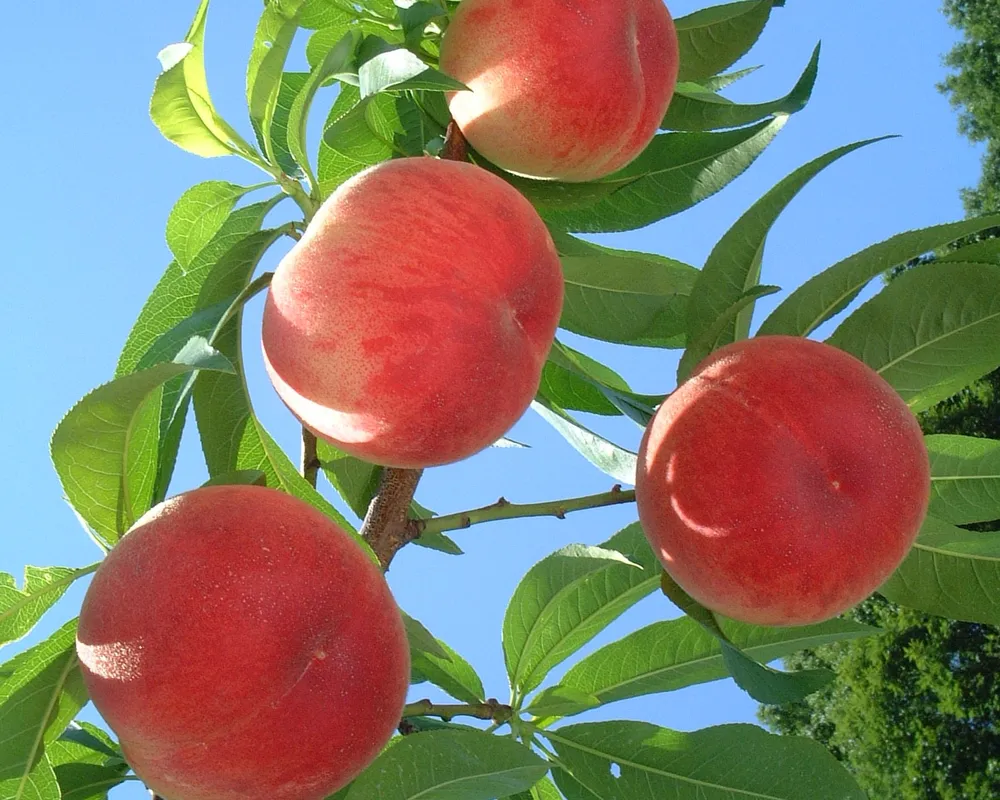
410, 325
783, 482
243, 647
565, 90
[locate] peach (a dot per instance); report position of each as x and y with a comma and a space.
410, 325
783, 482
565, 90
243, 647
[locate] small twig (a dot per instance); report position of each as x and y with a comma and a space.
503, 509
491, 710
455, 148
310, 460
387, 526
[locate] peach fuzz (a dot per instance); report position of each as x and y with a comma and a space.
410, 325
243, 647
783, 482
566, 90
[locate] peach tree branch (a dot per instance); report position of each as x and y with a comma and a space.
491, 710
503, 509
310, 458
387, 526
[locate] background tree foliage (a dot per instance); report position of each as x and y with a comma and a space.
974, 89
915, 713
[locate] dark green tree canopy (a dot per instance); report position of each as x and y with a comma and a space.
973, 87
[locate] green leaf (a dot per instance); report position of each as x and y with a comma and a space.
272, 41
608, 457
573, 380
42, 694
339, 56
622, 296
720, 763
291, 85
415, 16
930, 332
733, 266
694, 108
380, 126
670, 655
543, 790
719, 82
568, 598
83, 741
675, 172
198, 216
20, 609
950, 572
449, 765
104, 449
176, 296
351, 136
772, 686
333, 168
88, 781
183, 305
355, 480
712, 39
829, 292
718, 333
232, 437
987, 251
561, 701
241, 477
87, 763
326, 13
762, 683
965, 478
399, 69
38, 784
181, 106
320, 42
442, 666
317, 14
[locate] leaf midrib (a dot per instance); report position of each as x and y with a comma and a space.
698, 662
623, 762
952, 332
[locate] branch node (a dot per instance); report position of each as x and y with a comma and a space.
387, 526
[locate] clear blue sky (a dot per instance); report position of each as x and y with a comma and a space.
90, 183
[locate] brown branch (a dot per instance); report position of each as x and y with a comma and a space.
455, 148
387, 526
504, 509
310, 460
491, 710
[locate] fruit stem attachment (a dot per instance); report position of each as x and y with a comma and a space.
503, 509
387, 526
491, 710
455, 147
310, 458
